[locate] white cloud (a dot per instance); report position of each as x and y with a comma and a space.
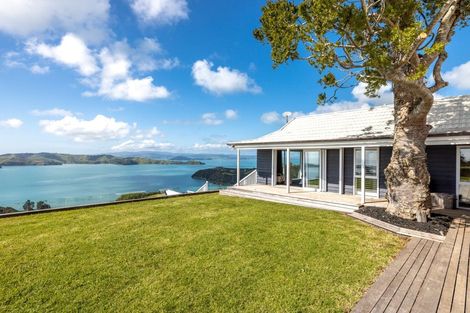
140, 145
98, 128
211, 119
231, 114
385, 96
209, 146
52, 112
11, 123
458, 76
270, 117
135, 90
154, 131
37, 69
223, 80
113, 78
160, 11
27, 18
72, 51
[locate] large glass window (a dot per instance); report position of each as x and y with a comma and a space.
312, 169
295, 167
464, 181
371, 170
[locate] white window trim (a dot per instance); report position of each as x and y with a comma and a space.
320, 168
457, 177
377, 176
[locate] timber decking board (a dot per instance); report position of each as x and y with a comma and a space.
427, 276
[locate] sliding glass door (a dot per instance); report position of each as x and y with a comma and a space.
312, 169
464, 177
371, 169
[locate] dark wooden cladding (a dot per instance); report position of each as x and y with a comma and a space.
442, 167
264, 166
348, 169
332, 169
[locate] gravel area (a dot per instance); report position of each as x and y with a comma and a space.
437, 224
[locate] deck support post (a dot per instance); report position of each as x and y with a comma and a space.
273, 168
363, 174
238, 167
341, 170
288, 170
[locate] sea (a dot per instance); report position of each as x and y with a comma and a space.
75, 184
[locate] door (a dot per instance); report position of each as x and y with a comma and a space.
312, 169
371, 169
463, 182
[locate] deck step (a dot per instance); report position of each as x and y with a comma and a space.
291, 199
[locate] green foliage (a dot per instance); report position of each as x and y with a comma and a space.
28, 205
42, 205
139, 195
205, 253
375, 43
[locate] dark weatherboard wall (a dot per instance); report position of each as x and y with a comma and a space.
385, 153
348, 175
442, 167
264, 166
332, 170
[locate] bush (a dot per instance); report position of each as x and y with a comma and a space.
138, 195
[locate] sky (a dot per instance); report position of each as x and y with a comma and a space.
104, 76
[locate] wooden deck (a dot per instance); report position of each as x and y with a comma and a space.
303, 197
427, 276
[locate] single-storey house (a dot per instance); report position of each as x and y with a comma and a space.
346, 152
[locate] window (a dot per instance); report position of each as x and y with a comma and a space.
371, 171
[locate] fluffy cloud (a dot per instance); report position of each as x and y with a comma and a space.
160, 11
25, 17
209, 146
72, 51
270, 117
98, 128
37, 69
385, 96
108, 72
52, 112
223, 80
11, 123
211, 119
140, 145
231, 114
458, 76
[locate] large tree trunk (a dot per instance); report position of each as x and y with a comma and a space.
407, 175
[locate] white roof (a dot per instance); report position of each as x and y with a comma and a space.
447, 116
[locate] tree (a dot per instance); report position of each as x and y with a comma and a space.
42, 205
28, 205
375, 42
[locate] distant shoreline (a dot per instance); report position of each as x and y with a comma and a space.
49, 159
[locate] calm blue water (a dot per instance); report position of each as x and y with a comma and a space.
68, 185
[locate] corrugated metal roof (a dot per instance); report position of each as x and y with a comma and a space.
447, 116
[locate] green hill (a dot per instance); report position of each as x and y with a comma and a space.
44, 158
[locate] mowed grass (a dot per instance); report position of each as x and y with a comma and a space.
206, 253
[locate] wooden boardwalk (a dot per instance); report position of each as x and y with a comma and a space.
427, 276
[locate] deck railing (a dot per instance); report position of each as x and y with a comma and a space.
250, 179
204, 187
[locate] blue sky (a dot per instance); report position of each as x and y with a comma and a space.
95, 76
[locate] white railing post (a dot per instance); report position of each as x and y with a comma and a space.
288, 170
341, 170
363, 174
273, 168
250, 179
238, 167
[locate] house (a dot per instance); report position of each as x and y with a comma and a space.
346, 152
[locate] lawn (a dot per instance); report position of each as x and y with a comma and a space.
206, 253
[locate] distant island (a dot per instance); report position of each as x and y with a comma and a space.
221, 175
44, 158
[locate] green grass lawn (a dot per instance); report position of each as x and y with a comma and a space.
206, 253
